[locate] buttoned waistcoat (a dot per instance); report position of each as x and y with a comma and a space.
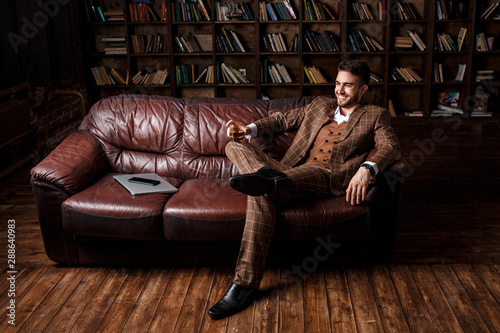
368, 127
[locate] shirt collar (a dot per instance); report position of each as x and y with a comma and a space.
339, 118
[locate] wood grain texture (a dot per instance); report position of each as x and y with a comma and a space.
389, 307
340, 307
481, 298
381, 298
363, 300
266, 316
147, 303
316, 314
462, 306
413, 305
168, 311
74, 306
439, 309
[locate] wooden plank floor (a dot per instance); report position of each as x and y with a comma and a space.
443, 277
395, 298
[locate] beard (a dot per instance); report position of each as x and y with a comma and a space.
348, 100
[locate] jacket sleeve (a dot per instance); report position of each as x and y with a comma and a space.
386, 142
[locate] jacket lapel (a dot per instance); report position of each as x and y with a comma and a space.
353, 120
308, 133
319, 122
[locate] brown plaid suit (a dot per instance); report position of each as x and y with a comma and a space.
368, 127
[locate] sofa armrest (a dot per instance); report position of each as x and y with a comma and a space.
397, 168
75, 164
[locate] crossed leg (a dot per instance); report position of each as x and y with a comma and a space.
308, 180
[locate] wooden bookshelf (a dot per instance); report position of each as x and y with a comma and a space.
388, 23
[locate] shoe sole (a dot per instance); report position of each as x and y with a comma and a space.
257, 185
251, 184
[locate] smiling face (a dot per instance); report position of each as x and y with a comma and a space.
348, 89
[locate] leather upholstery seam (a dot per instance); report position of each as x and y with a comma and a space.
106, 216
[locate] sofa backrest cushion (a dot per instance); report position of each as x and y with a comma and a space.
180, 138
140, 133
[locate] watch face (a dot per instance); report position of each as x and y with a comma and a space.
369, 167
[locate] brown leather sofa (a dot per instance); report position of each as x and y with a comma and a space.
88, 218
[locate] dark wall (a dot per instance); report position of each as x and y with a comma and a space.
38, 42
40, 45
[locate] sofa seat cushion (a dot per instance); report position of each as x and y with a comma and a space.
333, 217
205, 210
106, 209
210, 210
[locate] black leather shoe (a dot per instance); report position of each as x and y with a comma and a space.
236, 299
265, 180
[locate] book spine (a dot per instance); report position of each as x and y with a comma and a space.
101, 14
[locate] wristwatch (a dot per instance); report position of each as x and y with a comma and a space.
369, 167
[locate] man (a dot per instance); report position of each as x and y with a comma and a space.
328, 156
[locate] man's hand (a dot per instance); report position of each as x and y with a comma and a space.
232, 125
356, 191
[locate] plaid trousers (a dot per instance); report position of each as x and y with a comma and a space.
308, 180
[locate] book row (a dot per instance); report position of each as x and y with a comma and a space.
361, 42
399, 11
363, 11
317, 42
484, 43
96, 13
144, 12
403, 11
276, 11
232, 75
375, 78
274, 73
111, 45
447, 104
196, 10
186, 74
270, 73
156, 77
444, 42
276, 43
229, 42
451, 9
491, 11
105, 76
314, 75
149, 43
405, 74
187, 44
485, 75
439, 76
190, 11
229, 11
408, 42
317, 11
109, 76
222, 73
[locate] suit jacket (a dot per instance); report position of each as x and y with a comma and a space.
368, 127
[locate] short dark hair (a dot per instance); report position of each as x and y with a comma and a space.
357, 68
